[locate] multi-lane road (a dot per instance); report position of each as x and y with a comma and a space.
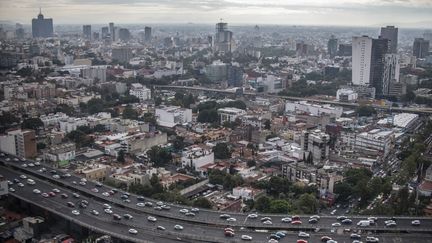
205, 226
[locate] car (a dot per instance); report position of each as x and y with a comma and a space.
127, 201
391, 224
67, 175
389, 221
20, 184
157, 208
415, 222
160, 227
148, 204
16, 180
295, 217
313, 221
315, 217
331, 241
229, 233
346, 230
268, 222
30, 165
272, 241
281, 234
355, 236
31, 182
265, 219
139, 198
224, 216
231, 219
56, 176
252, 216
178, 227
190, 214
44, 194
75, 195
246, 237
336, 224
23, 177
333, 212
82, 183
195, 210
10, 183
140, 204
56, 190
357, 241
108, 211
106, 206
24, 165
37, 191
159, 203
296, 222
64, 195
37, 163
70, 204
133, 231
302, 241
371, 239
75, 212
98, 184
11, 189
372, 219
94, 212
151, 219
83, 205
325, 238
53, 171
127, 216
165, 207
303, 234
274, 237
286, 220
342, 217
74, 182
346, 221
124, 196
95, 190
116, 217
106, 194
229, 229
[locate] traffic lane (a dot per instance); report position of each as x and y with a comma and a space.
213, 216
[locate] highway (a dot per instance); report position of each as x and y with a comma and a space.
426, 111
206, 224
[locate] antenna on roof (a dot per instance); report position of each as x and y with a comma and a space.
40, 10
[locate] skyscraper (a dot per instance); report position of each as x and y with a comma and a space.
223, 38
124, 34
147, 33
420, 47
379, 49
391, 72
105, 32
87, 32
361, 60
42, 27
390, 33
332, 46
112, 31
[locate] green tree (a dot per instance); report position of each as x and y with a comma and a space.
121, 156
32, 123
221, 151
279, 206
262, 204
307, 203
129, 113
364, 110
144, 190
343, 190
159, 156
267, 124
80, 139
40, 146
202, 202
178, 143
149, 118
251, 163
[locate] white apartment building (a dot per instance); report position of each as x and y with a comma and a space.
196, 157
140, 91
94, 72
376, 141
346, 95
71, 124
361, 60
316, 145
53, 119
313, 109
230, 114
62, 152
170, 116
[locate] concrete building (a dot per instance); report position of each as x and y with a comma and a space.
217, 71
223, 41
98, 73
41, 27
95, 172
140, 91
316, 145
21, 143
376, 142
121, 54
391, 72
361, 60
147, 34
87, 33
71, 124
332, 46
420, 47
345, 95
131, 178
60, 154
229, 114
196, 157
170, 116
391, 34
52, 119
313, 109
235, 75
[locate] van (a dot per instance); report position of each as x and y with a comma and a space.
363, 223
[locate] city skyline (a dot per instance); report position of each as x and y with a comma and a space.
404, 13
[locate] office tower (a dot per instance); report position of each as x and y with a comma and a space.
235, 75
420, 48
147, 33
391, 72
87, 32
332, 46
112, 31
390, 33
121, 54
42, 27
223, 38
124, 34
380, 47
361, 60
345, 50
105, 32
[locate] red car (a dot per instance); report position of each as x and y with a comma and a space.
51, 194
295, 218
296, 222
302, 241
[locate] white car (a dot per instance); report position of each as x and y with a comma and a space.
56, 176
178, 227
23, 176
231, 219
82, 183
286, 220
183, 211
195, 210
190, 214
140, 204
106, 194
24, 165
160, 203
31, 165
75, 212
303, 234
246, 237
36, 191
415, 222
11, 189
372, 239
266, 219
315, 217
133, 231
31, 182
37, 163
151, 219
94, 212
253, 216
106, 206
268, 222
56, 190
336, 225
108, 211
20, 184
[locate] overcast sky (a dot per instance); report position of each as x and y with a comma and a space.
285, 12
